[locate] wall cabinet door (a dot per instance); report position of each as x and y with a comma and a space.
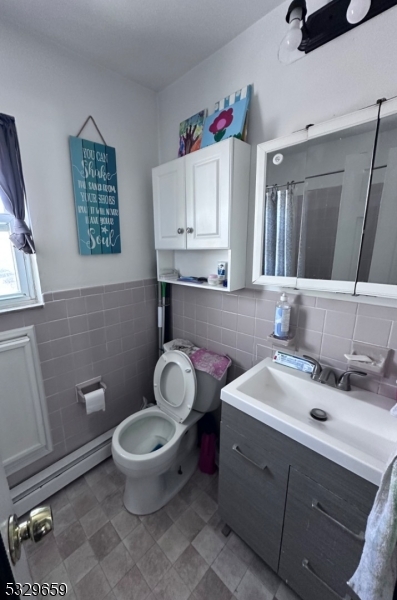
169, 205
208, 197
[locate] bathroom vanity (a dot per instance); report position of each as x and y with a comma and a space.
298, 491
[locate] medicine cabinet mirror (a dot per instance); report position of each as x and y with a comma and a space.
326, 206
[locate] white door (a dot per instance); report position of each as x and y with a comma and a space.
208, 192
20, 570
169, 205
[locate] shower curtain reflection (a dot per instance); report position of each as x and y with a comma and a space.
280, 241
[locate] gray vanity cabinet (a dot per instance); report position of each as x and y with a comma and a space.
252, 492
322, 540
303, 514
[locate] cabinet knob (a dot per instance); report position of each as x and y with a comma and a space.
189, 229
180, 230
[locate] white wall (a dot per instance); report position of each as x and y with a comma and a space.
348, 73
51, 93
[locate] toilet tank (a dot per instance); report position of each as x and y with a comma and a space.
208, 396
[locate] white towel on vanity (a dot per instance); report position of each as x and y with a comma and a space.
376, 574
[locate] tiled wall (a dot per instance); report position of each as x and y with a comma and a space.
107, 330
237, 324
112, 331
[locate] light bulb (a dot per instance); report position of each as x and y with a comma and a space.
290, 43
357, 11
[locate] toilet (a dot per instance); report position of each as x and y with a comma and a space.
156, 448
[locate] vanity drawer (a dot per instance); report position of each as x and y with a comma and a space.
256, 432
252, 493
322, 540
335, 478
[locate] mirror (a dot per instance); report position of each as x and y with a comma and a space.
378, 262
315, 201
283, 210
336, 183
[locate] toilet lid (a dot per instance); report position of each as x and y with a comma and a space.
175, 385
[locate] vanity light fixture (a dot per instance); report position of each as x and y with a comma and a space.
358, 9
288, 51
333, 19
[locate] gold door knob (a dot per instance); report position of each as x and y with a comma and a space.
38, 524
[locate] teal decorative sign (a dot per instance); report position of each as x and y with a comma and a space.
96, 199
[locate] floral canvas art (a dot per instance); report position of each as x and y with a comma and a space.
190, 133
229, 118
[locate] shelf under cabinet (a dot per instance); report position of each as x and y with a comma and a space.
203, 286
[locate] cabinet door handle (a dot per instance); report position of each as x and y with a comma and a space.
357, 536
237, 449
180, 230
306, 565
189, 229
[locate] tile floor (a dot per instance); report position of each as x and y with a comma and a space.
179, 553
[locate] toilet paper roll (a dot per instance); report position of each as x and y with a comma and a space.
95, 401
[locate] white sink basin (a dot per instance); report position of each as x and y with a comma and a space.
359, 433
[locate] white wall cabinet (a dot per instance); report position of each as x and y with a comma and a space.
208, 197
169, 205
200, 212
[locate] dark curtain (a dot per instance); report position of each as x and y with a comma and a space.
12, 185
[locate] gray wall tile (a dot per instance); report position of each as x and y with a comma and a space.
78, 324
95, 303
96, 320
311, 318
265, 309
338, 305
246, 306
335, 347
230, 303
79, 335
61, 347
138, 295
372, 331
75, 307
246, 325
99, 289
229, 338
325, 328
339, 323
225, 319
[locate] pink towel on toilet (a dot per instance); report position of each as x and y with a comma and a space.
210, 362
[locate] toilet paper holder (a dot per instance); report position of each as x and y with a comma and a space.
89, 386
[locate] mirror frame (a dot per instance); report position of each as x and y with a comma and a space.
356, 118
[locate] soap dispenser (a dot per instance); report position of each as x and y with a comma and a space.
282, 318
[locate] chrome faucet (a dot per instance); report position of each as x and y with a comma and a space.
315, 375
328, 376
344, 380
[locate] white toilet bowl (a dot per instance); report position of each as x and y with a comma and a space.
147, 466
156, 448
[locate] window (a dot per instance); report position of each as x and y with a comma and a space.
18, 273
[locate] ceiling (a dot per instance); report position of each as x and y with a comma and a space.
152, 42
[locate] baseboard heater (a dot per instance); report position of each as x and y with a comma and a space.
37, 489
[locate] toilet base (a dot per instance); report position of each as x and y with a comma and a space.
146, 496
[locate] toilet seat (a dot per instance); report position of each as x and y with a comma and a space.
175, 385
